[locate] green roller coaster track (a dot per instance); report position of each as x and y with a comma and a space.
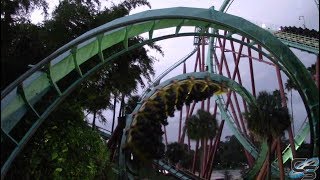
246, 143
21, 96
197, 77
163, 165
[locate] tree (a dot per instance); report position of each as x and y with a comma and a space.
290, 86
230, 154
268, 119
131, 104
312, 69
202, 126
31, 43
23, 43
64, 147
178, 154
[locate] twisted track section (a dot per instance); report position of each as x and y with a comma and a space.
181, 89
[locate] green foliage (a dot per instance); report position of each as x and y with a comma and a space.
175, 152
19, 10
64, 148
230, 154
21, 46
268, 118
289, 85
131, 104
202, 125
312, 69
178, 153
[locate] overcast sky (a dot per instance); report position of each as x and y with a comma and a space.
273, 13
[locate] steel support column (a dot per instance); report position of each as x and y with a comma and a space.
280, 162
284, 104
216, 145
251, 71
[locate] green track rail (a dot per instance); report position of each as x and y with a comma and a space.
20, 97
259, 162
303, 43
216, 79
105, 134
173, 171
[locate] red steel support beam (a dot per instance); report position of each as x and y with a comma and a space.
251, 71
239, 112
229, 75
209, 166
223, 45
184, 127
192, 108
237, 72
280, 162
236, 69
247, 56
215, 110
182, 136
280, 83
199, 61
249, 157
260, 50
196, 62
284, 104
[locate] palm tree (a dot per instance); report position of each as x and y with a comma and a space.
131, 104
202, 126
268, 120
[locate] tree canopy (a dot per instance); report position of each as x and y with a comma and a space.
269, 118
58, 149
202, 125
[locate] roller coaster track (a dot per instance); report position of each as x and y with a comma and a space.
196, 77
259, 156
179, 174
106, 134
20, 97
300, 42
246, 143
243, 139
